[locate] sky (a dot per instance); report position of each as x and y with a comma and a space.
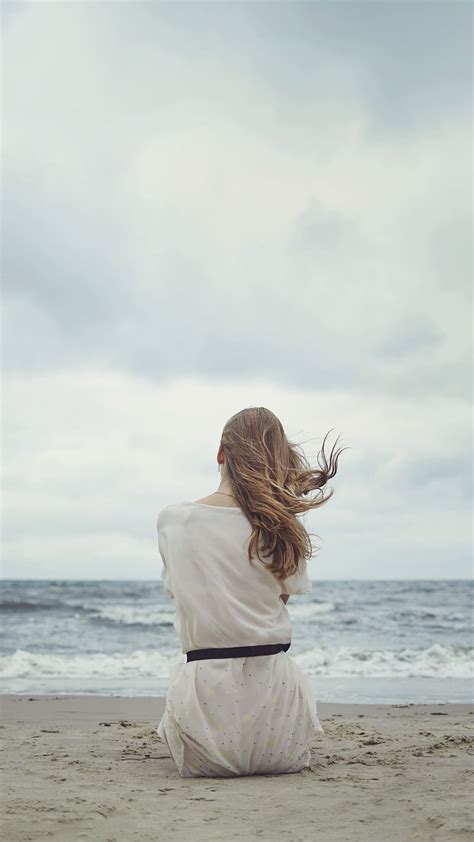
215, 205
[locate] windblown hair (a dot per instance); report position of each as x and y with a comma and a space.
271, 478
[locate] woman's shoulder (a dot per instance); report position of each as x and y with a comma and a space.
172, 510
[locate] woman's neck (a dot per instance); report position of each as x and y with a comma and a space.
225, 488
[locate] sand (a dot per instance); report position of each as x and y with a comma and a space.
92, 767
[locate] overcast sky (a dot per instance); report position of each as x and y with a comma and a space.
208, 206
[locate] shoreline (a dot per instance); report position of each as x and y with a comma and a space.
87, 707
92, 767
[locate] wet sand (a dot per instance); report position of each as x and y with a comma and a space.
93, 767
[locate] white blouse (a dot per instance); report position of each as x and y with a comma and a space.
222, 599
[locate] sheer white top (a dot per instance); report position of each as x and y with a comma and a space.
222, 599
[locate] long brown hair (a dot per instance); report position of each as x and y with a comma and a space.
271, 478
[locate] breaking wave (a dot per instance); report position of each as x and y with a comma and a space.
436, 661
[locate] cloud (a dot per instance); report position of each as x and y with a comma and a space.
92, 456
213, 203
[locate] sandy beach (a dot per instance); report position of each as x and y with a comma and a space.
92, 767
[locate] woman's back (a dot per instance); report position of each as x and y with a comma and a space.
222, 599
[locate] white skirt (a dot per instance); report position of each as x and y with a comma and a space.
239, 716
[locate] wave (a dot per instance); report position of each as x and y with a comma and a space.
306, 610
436, 661
128, 615
20, 606
24, 664
421, 612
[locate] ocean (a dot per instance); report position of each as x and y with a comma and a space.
393, 642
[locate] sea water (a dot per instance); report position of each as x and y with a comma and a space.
358, 641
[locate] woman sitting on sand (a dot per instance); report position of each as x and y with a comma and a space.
240, 705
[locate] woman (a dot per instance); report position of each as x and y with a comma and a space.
240, 705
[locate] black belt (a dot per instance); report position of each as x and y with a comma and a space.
237, 651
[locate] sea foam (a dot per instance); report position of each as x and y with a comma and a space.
435, 661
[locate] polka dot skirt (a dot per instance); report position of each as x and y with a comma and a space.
239, 716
